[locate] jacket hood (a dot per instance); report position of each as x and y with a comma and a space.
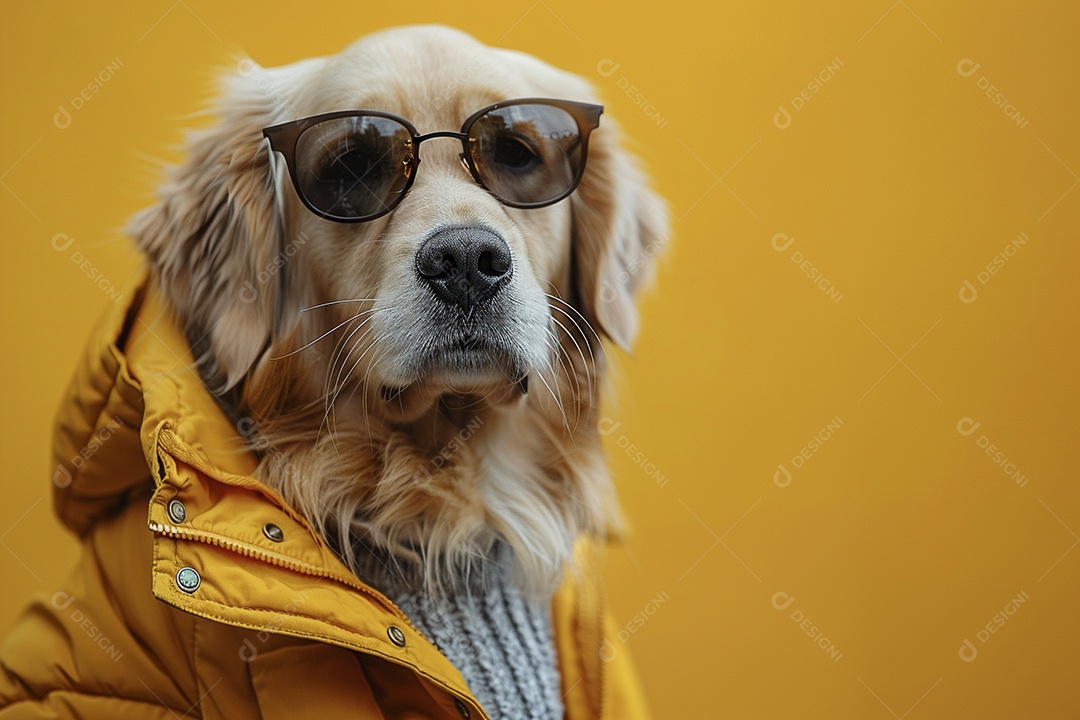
135, 377
137, 418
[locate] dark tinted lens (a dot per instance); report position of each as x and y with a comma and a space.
354, 167
526, 154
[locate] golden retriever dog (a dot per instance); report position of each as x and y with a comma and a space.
406, 314
397, 268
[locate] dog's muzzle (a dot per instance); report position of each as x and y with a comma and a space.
468, 354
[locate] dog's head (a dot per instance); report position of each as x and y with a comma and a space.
426, 378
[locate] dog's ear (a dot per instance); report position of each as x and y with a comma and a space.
619, 227
214, 240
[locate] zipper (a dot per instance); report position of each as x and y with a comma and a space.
258, 554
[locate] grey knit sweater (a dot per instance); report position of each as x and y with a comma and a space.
502, 644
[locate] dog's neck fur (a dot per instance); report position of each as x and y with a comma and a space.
440, 493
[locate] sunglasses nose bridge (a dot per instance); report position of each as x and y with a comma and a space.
456, 135
441, 133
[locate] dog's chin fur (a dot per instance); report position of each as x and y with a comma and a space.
445, 468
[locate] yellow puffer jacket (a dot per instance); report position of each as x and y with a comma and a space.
201, 594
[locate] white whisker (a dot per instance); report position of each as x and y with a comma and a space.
583, 319
328, 332
588, 372
338, 302
560, 351
338, 384
329, 415
556, 398
364, 383
345, 357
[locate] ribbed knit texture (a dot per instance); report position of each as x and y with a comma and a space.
502, 644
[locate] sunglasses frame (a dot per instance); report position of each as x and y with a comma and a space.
284, 137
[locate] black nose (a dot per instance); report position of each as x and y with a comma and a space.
465, 265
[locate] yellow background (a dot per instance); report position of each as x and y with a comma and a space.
899, 180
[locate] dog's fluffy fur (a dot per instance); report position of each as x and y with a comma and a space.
299, 324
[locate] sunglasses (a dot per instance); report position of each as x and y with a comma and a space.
357, 165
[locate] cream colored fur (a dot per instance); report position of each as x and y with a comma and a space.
257, 282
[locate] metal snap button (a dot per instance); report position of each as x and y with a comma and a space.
396, 636
177, 511
188, 580
462, 708
273, 532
